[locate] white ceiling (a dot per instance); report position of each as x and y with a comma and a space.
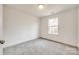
48, 10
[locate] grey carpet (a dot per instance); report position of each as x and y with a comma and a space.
40, 47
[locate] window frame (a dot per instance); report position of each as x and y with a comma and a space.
54, 26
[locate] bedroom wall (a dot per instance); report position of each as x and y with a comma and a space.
19, 26
78, 26
67, 27
1, 28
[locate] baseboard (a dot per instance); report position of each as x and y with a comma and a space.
45, 39
60, 42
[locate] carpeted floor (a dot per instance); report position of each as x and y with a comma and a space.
40, 47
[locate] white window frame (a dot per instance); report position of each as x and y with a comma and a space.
52, 31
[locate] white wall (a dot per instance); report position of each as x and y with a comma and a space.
78, 26
19, 26
1, 27
67, 27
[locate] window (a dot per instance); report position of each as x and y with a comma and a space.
53, 26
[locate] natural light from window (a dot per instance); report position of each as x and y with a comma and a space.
53, 26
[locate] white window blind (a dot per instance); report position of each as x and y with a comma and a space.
53, 26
